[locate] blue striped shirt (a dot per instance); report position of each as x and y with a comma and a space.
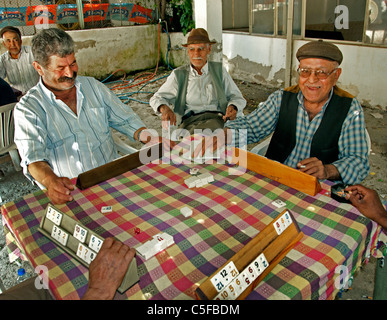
19, 72
352, 163
47, 130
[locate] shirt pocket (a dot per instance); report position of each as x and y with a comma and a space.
210, 93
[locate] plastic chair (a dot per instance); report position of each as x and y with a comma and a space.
7, 145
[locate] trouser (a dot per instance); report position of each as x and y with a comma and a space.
205, 120
26, 290
380, 289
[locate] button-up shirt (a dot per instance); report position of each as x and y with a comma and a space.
352, 163
201, 93
47, 130
19, 72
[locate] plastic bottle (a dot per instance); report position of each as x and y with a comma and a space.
21, 275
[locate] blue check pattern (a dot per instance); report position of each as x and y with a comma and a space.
353, 164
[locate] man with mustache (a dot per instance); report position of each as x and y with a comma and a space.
318, 127
16, 63
62, 125
200, 95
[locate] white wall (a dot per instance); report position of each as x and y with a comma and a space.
262, 60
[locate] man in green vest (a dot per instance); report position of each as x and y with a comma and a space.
317, 127
199, 95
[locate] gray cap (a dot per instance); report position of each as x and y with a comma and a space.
320, 49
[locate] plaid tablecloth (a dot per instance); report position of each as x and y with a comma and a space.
226, 214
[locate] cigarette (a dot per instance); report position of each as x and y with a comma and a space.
302, 166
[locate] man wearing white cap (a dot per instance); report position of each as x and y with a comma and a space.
200, 95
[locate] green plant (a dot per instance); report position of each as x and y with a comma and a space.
184, 11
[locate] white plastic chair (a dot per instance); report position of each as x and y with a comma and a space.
121, 146
7, 145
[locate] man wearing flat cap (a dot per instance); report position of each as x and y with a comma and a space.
317, 127
199, 95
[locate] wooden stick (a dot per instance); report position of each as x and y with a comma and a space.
277, 171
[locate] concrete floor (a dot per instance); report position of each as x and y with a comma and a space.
15, 185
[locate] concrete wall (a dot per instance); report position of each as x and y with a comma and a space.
262, 60
100, 52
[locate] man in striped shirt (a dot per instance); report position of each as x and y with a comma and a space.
16, 63
62, 125
318, 128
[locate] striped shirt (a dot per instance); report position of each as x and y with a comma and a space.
47, 130
352, 163
19, 72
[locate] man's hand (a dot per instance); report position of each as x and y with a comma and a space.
367, 201
316, 168
58, 188
231, 113
108, 269
167, 114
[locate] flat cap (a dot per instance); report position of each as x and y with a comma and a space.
320, 49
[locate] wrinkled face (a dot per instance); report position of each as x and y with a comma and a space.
12, 42
198, 54
60, 73
317, 90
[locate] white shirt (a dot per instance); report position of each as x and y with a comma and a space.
201, 93
19, 72
47, 130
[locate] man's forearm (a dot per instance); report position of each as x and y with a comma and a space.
41, 172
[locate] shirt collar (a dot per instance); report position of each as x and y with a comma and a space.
195, 73
49, 94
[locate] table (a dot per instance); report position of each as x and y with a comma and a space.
226, 215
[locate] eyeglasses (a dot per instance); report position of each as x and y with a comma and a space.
320, 74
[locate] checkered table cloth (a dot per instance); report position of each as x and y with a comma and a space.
226, 214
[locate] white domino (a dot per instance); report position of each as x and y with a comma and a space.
186, 212
282, 223
59, 235
54, 215
85, 253
95, 243
152, 247
199, 180
80, 233
222, 278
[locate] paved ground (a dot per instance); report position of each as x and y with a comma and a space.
15, 185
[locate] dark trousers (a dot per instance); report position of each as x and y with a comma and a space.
26, 290
205, 120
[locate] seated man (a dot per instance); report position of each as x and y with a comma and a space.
63, 124
16, 63
318, 128
200, 95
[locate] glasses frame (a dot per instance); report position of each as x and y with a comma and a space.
320, 74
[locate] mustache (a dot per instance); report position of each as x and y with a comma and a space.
68, 79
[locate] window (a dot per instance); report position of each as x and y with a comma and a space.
347, 20
376, 32
335, 19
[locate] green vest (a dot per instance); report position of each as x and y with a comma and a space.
325, 140
215, 70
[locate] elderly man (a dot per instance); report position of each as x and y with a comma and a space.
199, 95
63, 124
318, 128
16, 63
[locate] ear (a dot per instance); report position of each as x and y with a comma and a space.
337, 74
38, 67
